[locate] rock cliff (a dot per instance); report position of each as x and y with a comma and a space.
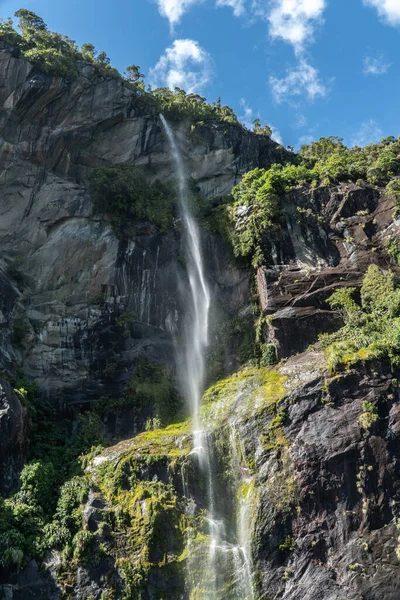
59, 259
81, 308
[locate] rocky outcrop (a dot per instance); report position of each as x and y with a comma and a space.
325, 502
79, 308
329, 237
342, 509
69, 274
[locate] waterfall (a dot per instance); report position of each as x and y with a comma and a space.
191, 363
225, 563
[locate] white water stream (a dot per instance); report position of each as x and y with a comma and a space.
223, 555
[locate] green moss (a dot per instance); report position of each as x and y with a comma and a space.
282, 486
274, 438
147, 525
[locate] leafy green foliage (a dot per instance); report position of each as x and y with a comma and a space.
58, 55
369, 416
152, 385
268, 355
125, 322
289, 544
254, 211
41, 513
178, 105
261, 129
372, 329
51, 52
393, 249
123, 193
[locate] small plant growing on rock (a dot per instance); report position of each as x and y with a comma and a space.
393, 249
153, 424
289, 544
125, 322
268, 355
369, 415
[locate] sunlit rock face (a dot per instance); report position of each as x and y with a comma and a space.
67, 259
307, 497
330, 236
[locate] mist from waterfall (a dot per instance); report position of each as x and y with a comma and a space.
227, 556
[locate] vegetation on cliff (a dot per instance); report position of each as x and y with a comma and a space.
254, 212
372, 325
58, 55
123, 194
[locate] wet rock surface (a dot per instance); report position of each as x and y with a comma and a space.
342, 509
323, 482
73, 275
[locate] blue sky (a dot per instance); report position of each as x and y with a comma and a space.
309, 68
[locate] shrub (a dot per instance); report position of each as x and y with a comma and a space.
371, 330
123, 194
268, 355
254, 211
369, 415
289, 544
393, 249
20, 330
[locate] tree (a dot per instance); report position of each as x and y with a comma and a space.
88, 51
133, 73
261, 129
30, 24
103, 59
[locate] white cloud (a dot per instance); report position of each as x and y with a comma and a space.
185, 64
302, 80
173, 10
291, 20
236, 5
369, 132
276, 134
388, 10
294, 22
305, 139
248, 118
301, 120
375, 65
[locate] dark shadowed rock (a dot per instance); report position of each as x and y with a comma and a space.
12, 438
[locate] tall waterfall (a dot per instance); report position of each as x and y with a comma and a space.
191, 364
225, 564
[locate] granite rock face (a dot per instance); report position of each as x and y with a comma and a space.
327, 244
58, 259
342, 508
328, 485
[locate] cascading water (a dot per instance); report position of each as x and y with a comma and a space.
191, 364
226, 560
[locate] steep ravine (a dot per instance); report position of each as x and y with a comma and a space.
321, 491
